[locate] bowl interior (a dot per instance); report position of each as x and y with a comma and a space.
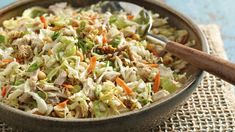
175, 19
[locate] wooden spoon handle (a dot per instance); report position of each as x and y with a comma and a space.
212, 64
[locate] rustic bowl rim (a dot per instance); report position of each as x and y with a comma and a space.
191, 84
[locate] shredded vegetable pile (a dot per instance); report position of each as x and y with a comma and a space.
81, 63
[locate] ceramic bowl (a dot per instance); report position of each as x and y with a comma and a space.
139, 120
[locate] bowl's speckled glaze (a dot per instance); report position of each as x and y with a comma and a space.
132, 121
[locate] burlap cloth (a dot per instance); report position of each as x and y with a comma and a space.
210, 108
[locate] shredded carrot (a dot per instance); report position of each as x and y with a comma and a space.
151, 48
155, 53
104, 39
153, 65
122, 84
68, 86
145, 62
4, 91
63, 104
7, 60
156, 83
43, 20
92, 64
130, 17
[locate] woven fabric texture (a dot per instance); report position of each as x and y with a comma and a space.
209, 108
206, 110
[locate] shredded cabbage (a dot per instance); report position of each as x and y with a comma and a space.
81, 63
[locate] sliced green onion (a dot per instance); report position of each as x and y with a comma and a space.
42, 94
33, 67
76, 89
115, 42
34, 12
81, 27
112, 19
2, 38
18, 82
55, 35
